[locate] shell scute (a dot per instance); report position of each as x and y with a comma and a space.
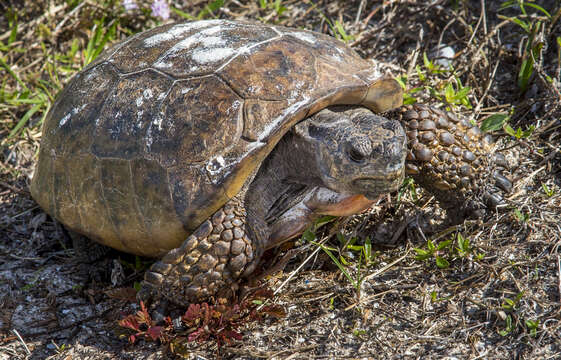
122, 125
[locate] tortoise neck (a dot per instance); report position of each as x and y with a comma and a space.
283, 179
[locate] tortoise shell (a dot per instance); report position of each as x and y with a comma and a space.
160, 131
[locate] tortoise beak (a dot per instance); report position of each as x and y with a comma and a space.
372, 187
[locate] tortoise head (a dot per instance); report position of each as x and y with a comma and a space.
356, 151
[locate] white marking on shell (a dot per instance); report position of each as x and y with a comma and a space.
235, 106
158, 122
305, 36
139, 101
185, 90
147, 93
65, 119
177, 31
215, 166
74, 111
205, 56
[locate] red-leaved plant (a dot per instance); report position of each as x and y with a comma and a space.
204, 322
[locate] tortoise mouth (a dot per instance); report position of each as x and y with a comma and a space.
373, 187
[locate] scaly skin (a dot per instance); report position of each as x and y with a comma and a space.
454, 160
211, 259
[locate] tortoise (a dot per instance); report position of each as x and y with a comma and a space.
205, 143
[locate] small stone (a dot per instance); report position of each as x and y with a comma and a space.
237, 222
228, 209
186, 279
190, 259
500, 160
227, 235
218, 229
452, 117
204, 245
424, 114
410, 156
465, 170
228, 225
465, 182
442, 185
412, 134
442, 123
220, 268
465, 124
457, 151
207, 262
213, 238
474, 132
502, 182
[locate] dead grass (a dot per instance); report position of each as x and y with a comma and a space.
501, 299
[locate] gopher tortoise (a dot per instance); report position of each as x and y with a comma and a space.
205, 143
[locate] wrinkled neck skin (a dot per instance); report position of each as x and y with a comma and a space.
287, 195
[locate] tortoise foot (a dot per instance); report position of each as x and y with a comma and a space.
454, 160
208, 263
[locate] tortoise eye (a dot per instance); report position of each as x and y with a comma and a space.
356, 156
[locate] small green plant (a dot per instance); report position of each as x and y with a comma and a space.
273, 5
534, 44
337, 29
208, 12
435, 299
508, 326
519, 133
434, 251
408, 186
101, 34
355, 282
548, 191
451, 91
510, 304
464, 247
522, 217
340, 32
364, 250
494, 122
532, 326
